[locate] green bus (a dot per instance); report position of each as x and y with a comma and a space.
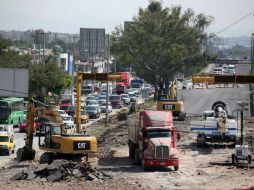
12, 110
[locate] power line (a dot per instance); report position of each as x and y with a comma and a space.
237, 21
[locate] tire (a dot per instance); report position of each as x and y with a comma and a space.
147, 168
137, 159
181, 116
233, 158
45, 158
201, 142
176, 168
13, 150
249, 159
131, 151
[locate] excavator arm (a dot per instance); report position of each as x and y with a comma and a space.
33, 107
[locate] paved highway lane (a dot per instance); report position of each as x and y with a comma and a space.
198, 100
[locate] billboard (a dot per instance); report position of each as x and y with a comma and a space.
14, 82
92, 43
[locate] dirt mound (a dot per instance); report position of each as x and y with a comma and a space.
61, 170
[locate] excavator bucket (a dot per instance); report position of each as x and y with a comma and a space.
25, 153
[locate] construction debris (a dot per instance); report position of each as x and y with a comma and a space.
61, 170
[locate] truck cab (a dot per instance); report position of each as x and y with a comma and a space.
152, 140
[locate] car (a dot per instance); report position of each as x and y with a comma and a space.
102, 99
7, 143
86, 90
132, 96
187, 84
89, 98
218, 71
62, 113
71, 110
104, 107
231, 69
93, 111
125, 98
225, 68
68, 122
116, 101
23, 126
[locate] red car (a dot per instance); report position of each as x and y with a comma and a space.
23, 126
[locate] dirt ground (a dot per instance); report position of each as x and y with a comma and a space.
200, 168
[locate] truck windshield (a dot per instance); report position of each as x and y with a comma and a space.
4, 139
158, 133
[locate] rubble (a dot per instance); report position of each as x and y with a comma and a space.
60, 170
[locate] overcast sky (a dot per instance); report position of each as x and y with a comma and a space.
69, 16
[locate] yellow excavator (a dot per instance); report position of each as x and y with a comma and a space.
171, 103
53, 138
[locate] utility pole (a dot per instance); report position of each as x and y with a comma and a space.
73, 52
43, 34
108, 60
252, 72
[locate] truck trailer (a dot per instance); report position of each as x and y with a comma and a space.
152, 140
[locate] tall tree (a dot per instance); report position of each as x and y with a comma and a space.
160, 41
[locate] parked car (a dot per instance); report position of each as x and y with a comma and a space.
132, 96
23, 126
68, 122
104, 106
125, 98
93, 111
116, 101
71, 110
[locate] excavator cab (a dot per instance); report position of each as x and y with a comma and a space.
171, 103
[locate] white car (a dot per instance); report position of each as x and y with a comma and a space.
218, 71
68, 122
187, 84
125, 98
103, 107
63, 113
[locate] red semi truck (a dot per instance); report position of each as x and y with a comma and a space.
152, 140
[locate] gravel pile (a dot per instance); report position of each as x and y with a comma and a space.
60, 170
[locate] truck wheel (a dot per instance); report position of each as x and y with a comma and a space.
233, 158
201, 142
181, 116
176, 168
131, 151
146, 168
249, 159
137, 159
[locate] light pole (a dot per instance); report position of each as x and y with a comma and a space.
106, 123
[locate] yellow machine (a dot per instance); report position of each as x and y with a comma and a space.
54, 138
170, 103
